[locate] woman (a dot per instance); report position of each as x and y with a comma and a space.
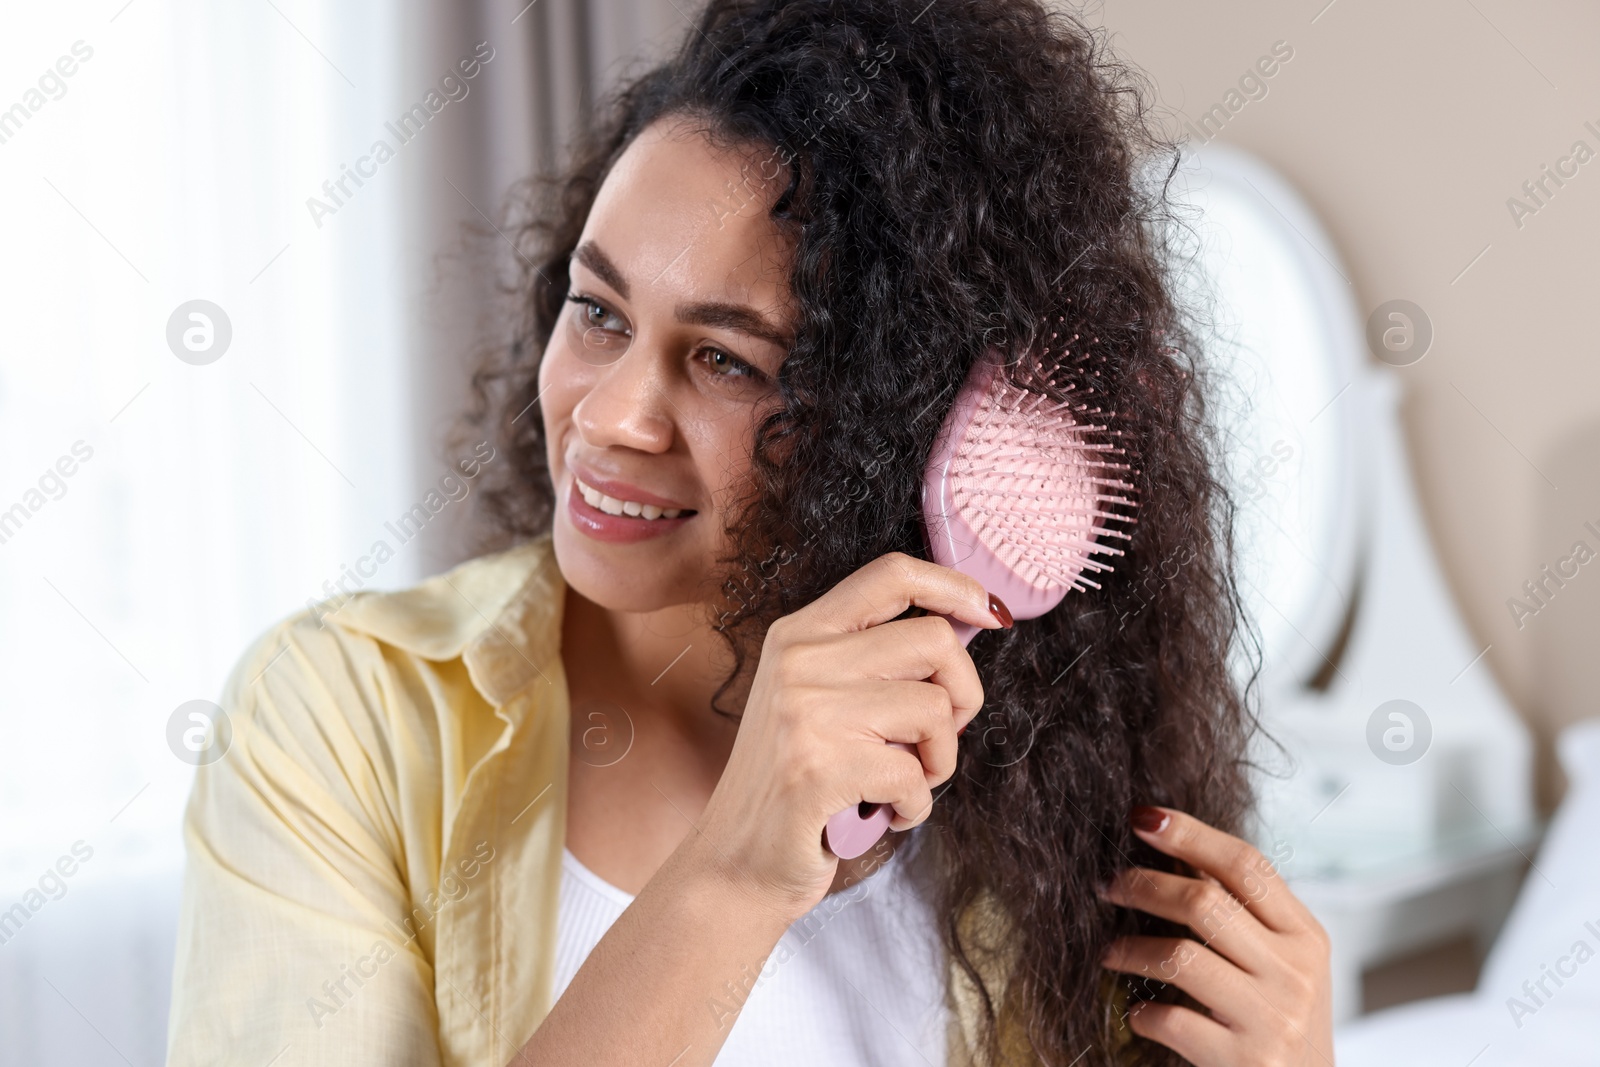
564, 804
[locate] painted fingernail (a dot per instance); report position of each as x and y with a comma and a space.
998, 609
1150, 820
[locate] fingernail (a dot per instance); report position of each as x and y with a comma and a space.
998, 609
1150, 820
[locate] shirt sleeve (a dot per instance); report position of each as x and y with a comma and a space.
291, 944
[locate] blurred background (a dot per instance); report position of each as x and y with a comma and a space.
233, 331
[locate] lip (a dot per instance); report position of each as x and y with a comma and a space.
616, 529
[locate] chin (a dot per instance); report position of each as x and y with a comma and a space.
624, 577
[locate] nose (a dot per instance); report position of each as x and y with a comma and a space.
627, 406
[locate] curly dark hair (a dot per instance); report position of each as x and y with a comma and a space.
958, 176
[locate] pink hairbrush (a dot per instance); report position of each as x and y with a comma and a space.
1017, 494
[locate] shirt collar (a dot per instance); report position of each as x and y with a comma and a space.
500, 614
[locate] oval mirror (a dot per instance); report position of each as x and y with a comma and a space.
1280, 334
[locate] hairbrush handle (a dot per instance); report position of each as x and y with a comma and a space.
854, 830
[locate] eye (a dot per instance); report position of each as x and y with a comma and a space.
723, 365
594, 315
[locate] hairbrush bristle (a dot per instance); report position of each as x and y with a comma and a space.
1038, 479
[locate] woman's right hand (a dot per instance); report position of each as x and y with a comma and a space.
836, 680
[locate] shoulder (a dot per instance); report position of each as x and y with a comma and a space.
320, 818
344, 670
335, 712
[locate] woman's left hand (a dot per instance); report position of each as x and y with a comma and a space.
1260, 964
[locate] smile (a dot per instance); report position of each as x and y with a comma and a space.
612, 506
602, 517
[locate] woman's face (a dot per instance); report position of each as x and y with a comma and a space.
664, 358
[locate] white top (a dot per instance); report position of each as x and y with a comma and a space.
857, 982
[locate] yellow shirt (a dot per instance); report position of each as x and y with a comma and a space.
374, 863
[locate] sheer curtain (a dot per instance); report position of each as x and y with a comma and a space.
222, 466
231, 329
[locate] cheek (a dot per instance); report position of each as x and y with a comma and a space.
722, 450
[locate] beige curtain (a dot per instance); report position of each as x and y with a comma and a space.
551, 61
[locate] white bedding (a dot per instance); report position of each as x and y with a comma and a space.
1538, 999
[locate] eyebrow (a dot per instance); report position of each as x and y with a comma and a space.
736, 317
600, 264
716, 314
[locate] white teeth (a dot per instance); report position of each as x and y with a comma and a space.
613, 506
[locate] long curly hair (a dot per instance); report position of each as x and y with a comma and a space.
965, 175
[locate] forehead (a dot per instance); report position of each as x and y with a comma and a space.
685, 219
